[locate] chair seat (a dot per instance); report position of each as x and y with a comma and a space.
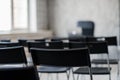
94, 70
52, 69
103, 61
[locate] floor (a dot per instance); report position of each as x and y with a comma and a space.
62, 76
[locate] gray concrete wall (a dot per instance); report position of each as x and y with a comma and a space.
42, 14
32, 15
64, 15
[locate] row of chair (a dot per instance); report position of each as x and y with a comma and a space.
37, 55
110, 41
13, 62
14, 55
100, 47
13, 65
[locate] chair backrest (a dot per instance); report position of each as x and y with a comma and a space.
8, 44
65, 41
77, 45
55, 45
80, 39
21, 73
87, 27
111, 41
5, 40
60, 57
12, 55
46, 45
32, 44
23, 42
98, 47
59, 38
40, 40
94, 39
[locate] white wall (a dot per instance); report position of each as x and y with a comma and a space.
42, 14
32, 15
64, 14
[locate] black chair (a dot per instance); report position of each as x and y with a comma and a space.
41, 40
49, 45
23, 42
87, 27
55, 45
65, 41
13, 55
59, 38
80, 39
5, 40
97, 48
93, 39
9, 44
111, 41
77, 45
35, 45
19, 73
45, 45
62, 58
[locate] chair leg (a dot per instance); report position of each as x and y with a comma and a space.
109, 76
73, 74
118, 69
118, 62
90, 71
68, 75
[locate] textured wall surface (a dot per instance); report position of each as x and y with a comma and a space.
64, 14
33, 15
42, 14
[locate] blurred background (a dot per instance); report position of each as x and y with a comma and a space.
41, 19
59, 16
